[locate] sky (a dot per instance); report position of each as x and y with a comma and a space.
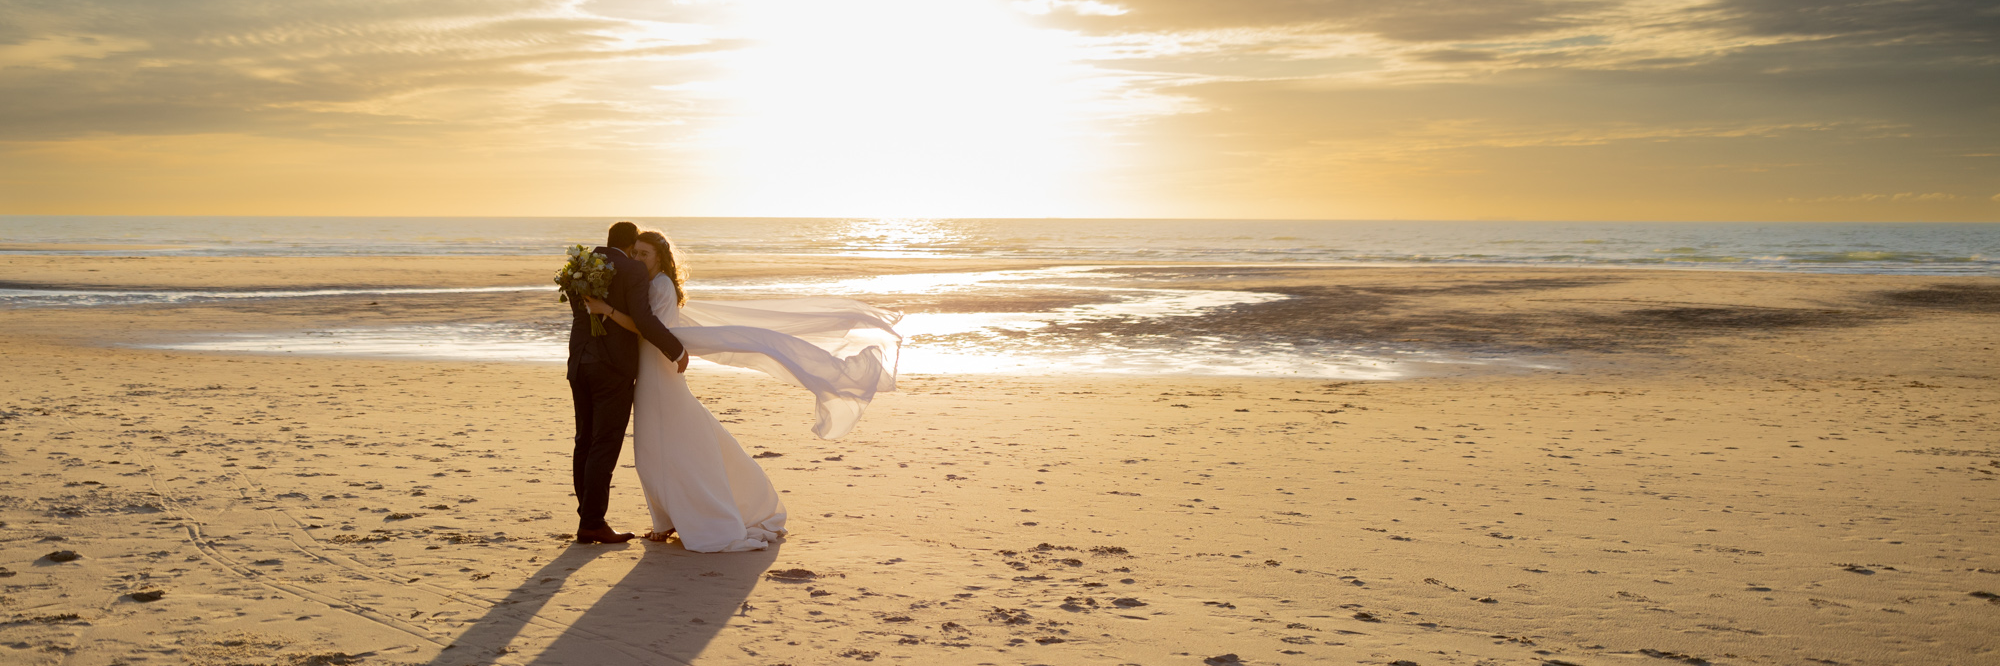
1729, 110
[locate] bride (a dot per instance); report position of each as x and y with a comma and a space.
697, 479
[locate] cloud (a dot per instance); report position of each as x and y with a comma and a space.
299, 68
1436, 40
1456, 55
1900, 197
1410, 20
1249, 108
1312, 73
63, 52
1077, 7
1927, 20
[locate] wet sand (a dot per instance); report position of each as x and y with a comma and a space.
1730, 468
79, 247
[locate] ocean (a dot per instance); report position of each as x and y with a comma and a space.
1892, 248
1072, 332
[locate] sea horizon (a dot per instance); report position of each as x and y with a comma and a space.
1952, 248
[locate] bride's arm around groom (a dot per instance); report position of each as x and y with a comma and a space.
637, 284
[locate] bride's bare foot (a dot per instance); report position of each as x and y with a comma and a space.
659, 536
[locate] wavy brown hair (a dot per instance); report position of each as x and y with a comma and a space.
670, 262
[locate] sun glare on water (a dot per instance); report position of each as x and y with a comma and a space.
899, 108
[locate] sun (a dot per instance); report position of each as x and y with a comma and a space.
899, 108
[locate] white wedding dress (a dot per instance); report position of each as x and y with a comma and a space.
697, 479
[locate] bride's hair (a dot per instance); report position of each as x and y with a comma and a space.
670, 262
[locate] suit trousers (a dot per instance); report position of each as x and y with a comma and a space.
603, 400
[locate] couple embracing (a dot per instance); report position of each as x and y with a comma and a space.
699, 483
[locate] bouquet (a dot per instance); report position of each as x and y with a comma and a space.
586, 274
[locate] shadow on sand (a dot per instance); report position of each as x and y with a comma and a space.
664, 610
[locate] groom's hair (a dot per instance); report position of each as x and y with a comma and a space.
623, 235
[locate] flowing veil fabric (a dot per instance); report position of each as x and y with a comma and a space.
697, 479
843, 351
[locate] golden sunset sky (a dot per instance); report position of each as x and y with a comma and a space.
1312, 109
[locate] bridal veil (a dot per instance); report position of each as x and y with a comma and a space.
843, 351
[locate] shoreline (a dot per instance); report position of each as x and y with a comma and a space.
1414, 318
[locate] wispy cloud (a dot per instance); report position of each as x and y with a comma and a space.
1710, 109
1415, 20
1361, 108
1899, 197
307, 68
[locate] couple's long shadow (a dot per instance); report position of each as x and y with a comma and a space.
665, 610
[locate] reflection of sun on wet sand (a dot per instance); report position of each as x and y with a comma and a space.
1734, 468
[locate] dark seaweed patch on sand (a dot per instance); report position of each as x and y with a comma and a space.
1456, 317
1961, 297
1724, 319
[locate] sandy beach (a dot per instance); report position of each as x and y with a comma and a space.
1706, 467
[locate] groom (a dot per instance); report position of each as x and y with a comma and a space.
602, 370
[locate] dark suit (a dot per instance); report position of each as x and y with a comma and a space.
602, 369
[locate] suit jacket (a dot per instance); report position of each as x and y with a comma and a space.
631, 293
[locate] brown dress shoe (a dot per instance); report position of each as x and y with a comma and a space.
602, 535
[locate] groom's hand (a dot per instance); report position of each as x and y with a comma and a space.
684, 363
